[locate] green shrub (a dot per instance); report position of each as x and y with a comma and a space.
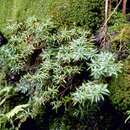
103, 65
55, 62
13, 10
80, 12
117, 19
88, 13
120, 89
119, 31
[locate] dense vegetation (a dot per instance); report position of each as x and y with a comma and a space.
59, 71
68, 12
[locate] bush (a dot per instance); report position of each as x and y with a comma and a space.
119, 31
88, 13
120, 89
81, 12
46, 68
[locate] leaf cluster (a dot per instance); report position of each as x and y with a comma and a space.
55, 76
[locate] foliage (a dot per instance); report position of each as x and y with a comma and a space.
14, 10
90, 91
120, 89
83, 12
103, 65
116, 19
53, 67
119, 32
88, 13
128, 113
19, 113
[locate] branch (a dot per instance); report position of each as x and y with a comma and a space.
106, 21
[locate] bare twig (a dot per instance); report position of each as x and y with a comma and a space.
115, 9
104, 44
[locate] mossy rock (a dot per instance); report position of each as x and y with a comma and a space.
87, 13
120, 89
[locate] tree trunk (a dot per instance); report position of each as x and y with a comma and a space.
104, 44
124, 7
106, 11
110, 6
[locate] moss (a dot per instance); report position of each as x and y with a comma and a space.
120, 89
